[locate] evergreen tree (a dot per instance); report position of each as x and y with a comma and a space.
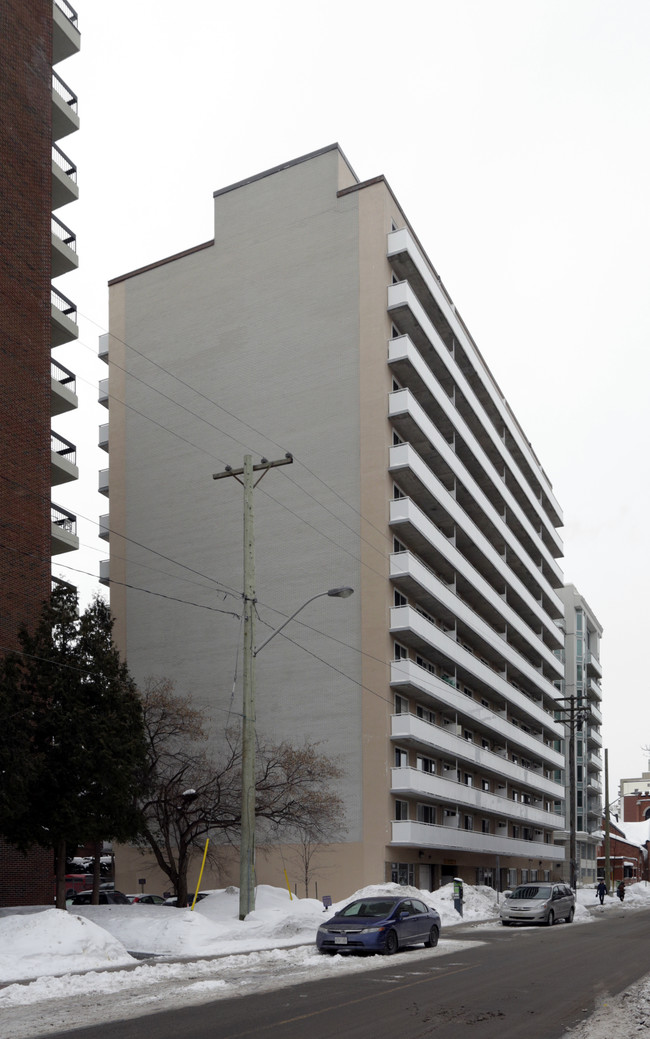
72, 752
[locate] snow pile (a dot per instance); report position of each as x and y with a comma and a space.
52, 942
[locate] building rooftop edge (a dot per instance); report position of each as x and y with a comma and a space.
285, 166
160, 263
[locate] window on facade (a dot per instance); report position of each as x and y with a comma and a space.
401, 758
485, 744
579, 823
399, 599
468, 735
512, 878
398, 546
485, 784
468, 822
578, 620
485, 826
533, 876
401, 705
426, 765
524, 876
426, 814
425, 714
427, 665
397, 493
401, 810
401, 652
468, 779
516, 830
397, 439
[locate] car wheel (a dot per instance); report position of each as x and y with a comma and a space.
392, 943
432, 940
569, 918
550, 919
505, 923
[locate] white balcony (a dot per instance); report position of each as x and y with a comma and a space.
102, 440
64, 531
419, 583
412, 370
594, 669
102, 395
419, 482
104, 527
64, 179
63, 319
64, 248
102, 347
594, 762
102, 485
409, 729
414, 426
64, 387
410, 782
406, 676
412, 629
433, 547
63, 460
408, 261
104, 571
65, 115
448, 838
66, 39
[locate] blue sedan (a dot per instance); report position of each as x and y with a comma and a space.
384, 924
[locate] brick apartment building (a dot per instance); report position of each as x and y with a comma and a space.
36, 179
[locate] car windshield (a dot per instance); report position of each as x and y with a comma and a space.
532, 891
366, 907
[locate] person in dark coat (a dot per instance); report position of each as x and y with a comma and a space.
601, 891
620, 891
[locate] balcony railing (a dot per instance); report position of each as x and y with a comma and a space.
64, 163
64, 233
63, 376
62, 518
61, 88
68, 11
65, 305
62, 447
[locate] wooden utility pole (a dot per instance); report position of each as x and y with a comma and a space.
247, 840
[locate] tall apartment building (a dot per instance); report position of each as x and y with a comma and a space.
38, 180
313, 322
581, 697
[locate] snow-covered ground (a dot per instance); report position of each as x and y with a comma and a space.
273, 947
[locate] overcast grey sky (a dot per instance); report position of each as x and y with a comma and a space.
515, 134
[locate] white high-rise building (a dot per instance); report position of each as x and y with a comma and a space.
313, 322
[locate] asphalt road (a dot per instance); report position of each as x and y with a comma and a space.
507, 984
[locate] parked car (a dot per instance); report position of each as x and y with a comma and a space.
173, 901
538, 904
147, 900
381, 924
84, 898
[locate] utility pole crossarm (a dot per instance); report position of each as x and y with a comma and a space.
264, 464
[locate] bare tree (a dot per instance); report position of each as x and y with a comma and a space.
189, 794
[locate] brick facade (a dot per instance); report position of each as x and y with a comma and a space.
25, 266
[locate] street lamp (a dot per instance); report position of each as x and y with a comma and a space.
247, 842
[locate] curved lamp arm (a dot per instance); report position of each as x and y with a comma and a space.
336, 593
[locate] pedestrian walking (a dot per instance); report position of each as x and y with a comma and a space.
620, 891
601, 891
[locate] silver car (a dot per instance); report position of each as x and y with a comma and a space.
538, 904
